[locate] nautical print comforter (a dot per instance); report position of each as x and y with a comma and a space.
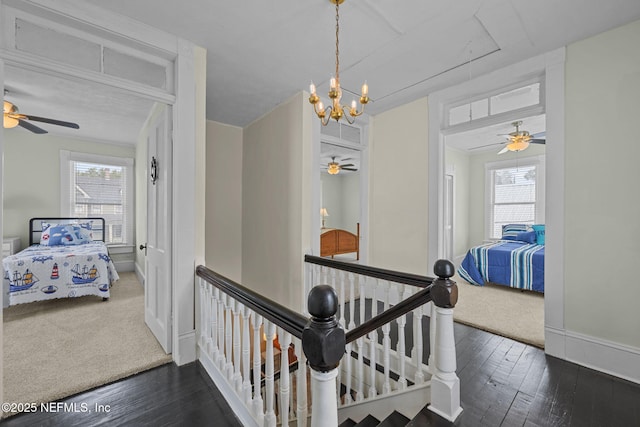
515, 264
49, 272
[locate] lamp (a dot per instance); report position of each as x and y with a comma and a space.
323, 214
336, 110
8, 121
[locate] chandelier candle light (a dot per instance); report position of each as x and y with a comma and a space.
336, 110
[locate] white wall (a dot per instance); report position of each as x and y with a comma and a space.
398, 193
602, 202
32, 176
350, 201
277, 200
223, 252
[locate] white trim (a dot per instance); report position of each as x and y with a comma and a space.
183, 205
219, 379
552, 64
140, 274
124, 265
605, 356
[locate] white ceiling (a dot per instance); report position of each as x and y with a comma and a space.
261, 52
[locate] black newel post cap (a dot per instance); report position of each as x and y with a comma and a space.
444, 291
323, 340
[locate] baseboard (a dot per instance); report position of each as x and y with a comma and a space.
605, 356
140, 274
124, 265
185, 351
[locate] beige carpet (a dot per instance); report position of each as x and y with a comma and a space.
53, 349
501, 310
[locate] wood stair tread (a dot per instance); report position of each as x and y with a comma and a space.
368, 421
395, 419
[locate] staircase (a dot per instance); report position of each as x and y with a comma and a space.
386, 337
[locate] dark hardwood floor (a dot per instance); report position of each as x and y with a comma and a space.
502, 383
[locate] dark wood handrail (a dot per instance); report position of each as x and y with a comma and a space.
400, 309
276, 313
378, 273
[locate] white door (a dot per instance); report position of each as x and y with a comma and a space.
157, 298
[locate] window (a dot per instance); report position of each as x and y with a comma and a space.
504, 101
96, 185
515, 190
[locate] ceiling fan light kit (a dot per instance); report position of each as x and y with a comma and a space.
519, 140
336, 111
334, 168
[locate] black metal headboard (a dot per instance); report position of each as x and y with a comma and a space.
35, 226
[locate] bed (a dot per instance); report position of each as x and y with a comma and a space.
66, 258
517, 260
334, 241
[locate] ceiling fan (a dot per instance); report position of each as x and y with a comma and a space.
333, 168
519, 140
13, 118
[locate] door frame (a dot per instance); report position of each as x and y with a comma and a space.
188, 124
551, 65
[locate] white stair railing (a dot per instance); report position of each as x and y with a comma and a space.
392, 360
248, 344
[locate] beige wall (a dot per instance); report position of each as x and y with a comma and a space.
276, 201
223, 225
32, 176
398, 189
602, 202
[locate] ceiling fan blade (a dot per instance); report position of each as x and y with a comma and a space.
349, 169
488, 145
504, 150
537, 141
31, 127
347, 165
53, 121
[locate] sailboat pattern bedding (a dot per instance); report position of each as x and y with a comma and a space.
509, 263
42, 272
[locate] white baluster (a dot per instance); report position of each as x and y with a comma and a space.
386, 342
284, 378
213, 322
228, 331
360, 341
418, 346
433, 325
237, 355
246, 354
258, 410
301, 386
373, 340
202, 338
337, 282
401, 350
270, 416
221, 303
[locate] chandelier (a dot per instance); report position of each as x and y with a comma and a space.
336, 111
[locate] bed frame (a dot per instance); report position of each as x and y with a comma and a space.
335, 242
35, 226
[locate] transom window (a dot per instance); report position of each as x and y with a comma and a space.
497, 103
515, 193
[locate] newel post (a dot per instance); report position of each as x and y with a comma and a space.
445, 384
323, 342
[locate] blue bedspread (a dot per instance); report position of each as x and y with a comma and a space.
515, 264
